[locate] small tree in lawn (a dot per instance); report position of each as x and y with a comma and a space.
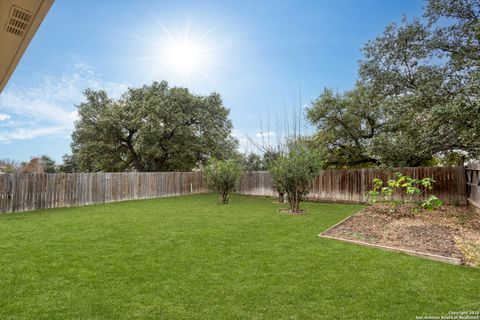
223, 176
293, 174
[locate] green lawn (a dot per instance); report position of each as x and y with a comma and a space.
189, 258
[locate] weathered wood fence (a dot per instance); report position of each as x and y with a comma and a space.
22, 192
352, 185
473, 184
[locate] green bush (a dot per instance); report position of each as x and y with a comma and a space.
222, 177
413, 188
431, 203
293, 174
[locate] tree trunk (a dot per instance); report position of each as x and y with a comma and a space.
281, 197
294, 202
137, 164
223, 196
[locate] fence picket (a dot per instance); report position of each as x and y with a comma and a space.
23, 192
352, 185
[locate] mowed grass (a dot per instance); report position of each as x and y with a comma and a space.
190, 258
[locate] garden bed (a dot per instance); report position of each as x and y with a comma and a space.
450, 231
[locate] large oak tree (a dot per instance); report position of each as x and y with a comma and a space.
152, 128
417, 97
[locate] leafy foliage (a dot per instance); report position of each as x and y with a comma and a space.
223, 176
35, 165
69, 164
152, 128
49, 165
417, 98
253, 162
346, 124
414, 188
9, 166
431, 203
42, 164
293, 174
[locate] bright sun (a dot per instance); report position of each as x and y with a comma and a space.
184, 57
181, 55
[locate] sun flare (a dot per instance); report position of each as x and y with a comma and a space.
181, 55
184, 56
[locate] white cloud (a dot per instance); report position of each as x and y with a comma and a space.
255, 142
24, 134
48, 107
265, 134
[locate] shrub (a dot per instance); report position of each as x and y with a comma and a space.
222, 177
412, 187
431, 203
293, 174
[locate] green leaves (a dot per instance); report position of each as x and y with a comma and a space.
222, 177
152, 128
346, 123
412, 187
417, 101
432, 203
253, 162
293, 174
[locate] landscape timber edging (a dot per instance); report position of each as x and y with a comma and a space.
420, 254
474, 205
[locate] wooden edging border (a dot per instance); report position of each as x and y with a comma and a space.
475, 206
425, 255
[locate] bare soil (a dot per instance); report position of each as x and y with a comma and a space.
451, 231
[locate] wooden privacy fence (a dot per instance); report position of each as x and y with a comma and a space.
22, 192
352, 185
473, 184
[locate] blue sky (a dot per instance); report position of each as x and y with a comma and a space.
264, 57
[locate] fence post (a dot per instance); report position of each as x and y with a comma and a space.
472, 172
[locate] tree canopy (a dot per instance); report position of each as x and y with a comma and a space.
223, 176
253, 162
294, 172
417, 96
152, 128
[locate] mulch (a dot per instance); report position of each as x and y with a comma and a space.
450, 231
290, 212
